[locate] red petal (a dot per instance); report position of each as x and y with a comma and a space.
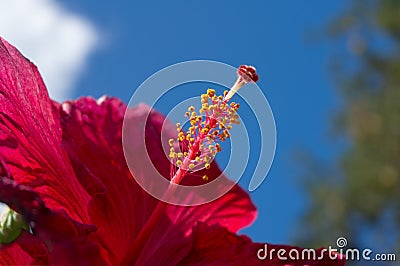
172, 238
30, 135
92, 137
14, 255
27, 249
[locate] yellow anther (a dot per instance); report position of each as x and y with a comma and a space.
179, 163
197, 159
180, 154
218, 147
222, 137
205, 177
171, 142
207, 166
191, 108
226, 132
210, 92
191, 166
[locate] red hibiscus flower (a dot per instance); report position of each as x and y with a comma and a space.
63, 169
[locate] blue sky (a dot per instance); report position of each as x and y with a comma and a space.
134, 40
138, 39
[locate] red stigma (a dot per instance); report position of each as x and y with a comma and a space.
247, 73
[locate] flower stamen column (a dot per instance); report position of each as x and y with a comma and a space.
194, 149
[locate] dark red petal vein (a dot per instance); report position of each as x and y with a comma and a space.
30, 135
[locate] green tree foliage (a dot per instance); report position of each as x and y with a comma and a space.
358, 196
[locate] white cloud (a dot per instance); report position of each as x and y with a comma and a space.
55, 39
